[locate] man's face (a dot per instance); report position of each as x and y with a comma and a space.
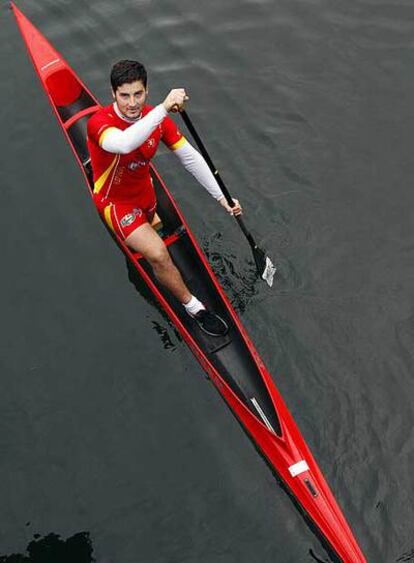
130, 98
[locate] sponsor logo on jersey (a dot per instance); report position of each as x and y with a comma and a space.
129, 218
136, 164
151, 142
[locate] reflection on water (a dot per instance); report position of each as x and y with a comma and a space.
165, 335
53, 549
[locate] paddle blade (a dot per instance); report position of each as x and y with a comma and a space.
264, 265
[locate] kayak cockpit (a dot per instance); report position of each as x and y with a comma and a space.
228, 355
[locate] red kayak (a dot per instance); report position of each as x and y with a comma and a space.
231, 361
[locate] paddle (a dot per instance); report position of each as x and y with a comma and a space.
265, 268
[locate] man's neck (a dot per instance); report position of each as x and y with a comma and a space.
124, 117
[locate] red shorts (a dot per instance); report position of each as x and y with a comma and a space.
123, 217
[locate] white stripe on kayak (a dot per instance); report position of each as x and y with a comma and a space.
298, 468
262, 415
50, 64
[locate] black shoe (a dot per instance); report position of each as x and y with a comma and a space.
210, 323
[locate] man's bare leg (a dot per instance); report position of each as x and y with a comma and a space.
148, 243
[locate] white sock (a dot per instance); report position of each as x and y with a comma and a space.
193, 306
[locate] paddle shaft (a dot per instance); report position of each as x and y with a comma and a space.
216, 175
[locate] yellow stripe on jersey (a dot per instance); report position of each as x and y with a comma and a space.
102, 179
178, 144
102, 137
108, 218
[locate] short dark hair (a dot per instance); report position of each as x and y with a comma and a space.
126, 72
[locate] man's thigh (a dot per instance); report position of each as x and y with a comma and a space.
147, 242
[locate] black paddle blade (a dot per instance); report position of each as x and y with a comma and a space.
264, 265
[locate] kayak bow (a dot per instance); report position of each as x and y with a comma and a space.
231, 362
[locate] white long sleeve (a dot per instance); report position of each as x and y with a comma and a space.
123, 142
197, 166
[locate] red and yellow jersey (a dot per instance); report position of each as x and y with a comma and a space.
125, 176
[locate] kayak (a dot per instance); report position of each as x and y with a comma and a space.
231, 361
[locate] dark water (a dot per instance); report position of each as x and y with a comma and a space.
109, 433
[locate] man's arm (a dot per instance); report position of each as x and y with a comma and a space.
123, 142
192, 161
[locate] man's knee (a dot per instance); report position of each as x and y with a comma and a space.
160, 258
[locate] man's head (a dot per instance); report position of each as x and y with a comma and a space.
129, 87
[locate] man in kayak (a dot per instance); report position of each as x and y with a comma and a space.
122, 139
